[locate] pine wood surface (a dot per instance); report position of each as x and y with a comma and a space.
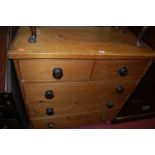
42, 70
78, 42
77, 105
77, 70
90, 58
68, 121
35, 92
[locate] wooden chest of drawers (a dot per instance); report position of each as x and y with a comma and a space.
77, 75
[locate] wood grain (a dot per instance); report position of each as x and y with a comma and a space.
83, 89
90, 58
71, 106
42, 69
18, 72
78, 42
75, 120
108, 69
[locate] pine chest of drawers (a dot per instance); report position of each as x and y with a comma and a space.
76, 76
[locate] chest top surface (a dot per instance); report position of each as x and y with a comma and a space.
78, 42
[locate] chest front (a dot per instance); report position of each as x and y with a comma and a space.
70, 89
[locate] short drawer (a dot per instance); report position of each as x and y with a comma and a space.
70, 121
106, 69
55, 70
71, 106
72, 90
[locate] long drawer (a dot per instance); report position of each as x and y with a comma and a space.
70, 106
55, 70
72, 90
69, 121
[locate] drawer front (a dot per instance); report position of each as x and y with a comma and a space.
105, 69
72, 90
71, 120
70, 106
55, 70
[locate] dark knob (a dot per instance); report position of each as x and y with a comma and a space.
49, 94
119, 89
123, 71
50, 125
57, 73
110, 104
49, 111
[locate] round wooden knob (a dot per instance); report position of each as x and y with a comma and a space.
49, 94
123, 71
57, 73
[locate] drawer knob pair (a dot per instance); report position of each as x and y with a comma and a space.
123, 71
57, 73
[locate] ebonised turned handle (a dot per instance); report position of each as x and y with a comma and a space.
123, 71
49, 94
57, 73
49, 111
